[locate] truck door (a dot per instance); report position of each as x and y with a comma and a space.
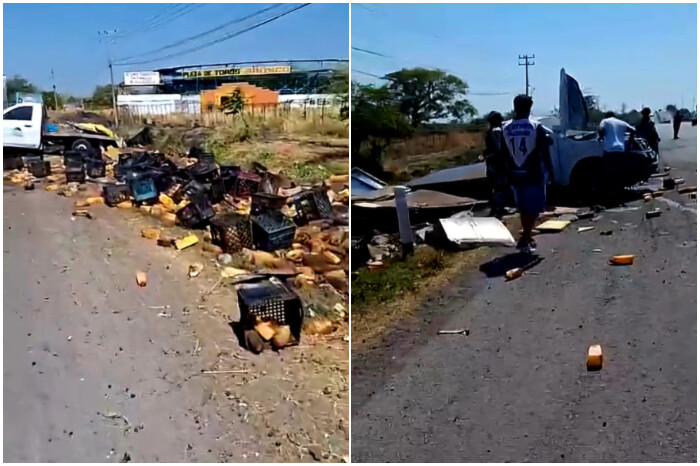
21, 126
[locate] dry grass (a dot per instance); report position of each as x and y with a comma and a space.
380, 299
427, 152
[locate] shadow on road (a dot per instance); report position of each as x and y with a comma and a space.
500, 265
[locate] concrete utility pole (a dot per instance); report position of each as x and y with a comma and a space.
111, 73
527, 64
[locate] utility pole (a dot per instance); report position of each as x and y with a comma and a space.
55, 95
111, 73
527, 64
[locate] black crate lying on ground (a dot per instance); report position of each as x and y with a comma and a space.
40, 168
116, 194
217, 190
96, 168
204, 172
312, 204
272, 230
198, 212
232, 232
247, 184
262, 202
75, 174
271, 301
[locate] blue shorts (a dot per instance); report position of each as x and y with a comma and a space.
530, 199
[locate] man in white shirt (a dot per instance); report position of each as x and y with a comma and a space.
612, 132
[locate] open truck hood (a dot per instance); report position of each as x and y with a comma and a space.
573, 113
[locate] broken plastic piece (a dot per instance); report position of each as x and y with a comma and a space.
653, 213
186, 241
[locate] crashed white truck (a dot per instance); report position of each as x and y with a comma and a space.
24, 134
577, 154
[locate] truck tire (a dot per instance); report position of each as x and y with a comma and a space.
81, 145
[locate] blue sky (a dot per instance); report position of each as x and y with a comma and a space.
634, 53
38, 37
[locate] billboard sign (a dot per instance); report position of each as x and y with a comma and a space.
141, 78
236, 71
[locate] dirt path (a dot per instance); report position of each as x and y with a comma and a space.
84, 346
516, 389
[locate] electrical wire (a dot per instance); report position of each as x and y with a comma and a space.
152, 24
215, 41
205, 33
370, 52
166, 11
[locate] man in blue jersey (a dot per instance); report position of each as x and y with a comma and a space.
527, 154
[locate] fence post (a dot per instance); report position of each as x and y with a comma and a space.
404, 222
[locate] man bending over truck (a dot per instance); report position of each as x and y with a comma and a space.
528, 161
612, 132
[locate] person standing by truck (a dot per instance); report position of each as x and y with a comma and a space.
527, 154
647, 130
612, 132
496, 169
677, 119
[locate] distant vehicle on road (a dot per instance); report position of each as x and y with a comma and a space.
24, 133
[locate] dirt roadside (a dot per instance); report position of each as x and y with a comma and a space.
98, 369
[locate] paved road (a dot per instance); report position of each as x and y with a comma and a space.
80, 342
517, 389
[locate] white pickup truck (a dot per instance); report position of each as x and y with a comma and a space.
23, 132
577, 154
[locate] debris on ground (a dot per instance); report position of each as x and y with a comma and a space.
553, 225
625, 259
583, 229
141, 278
687, 189
186, 241
594, 361
653, 213
518, 272
195, 269
464, 331
82, 213
463, 229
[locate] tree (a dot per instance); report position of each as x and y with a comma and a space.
50, 101
376, 120
425, 95
234, 103
671, 108
623, 108
19, 84
101, 96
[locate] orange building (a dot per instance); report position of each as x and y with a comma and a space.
254, 96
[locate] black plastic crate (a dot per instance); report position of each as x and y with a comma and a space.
73, 159
312, 204
40, 168
217, 190
197, 213
204, 172
96, 168
271, 301
262, 202
232, 232
75, 174
272, 230
247, 184
116, 194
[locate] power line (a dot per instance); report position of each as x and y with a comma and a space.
205, 33
527, 66
216, 41
155, 20
370, 52
355, 70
